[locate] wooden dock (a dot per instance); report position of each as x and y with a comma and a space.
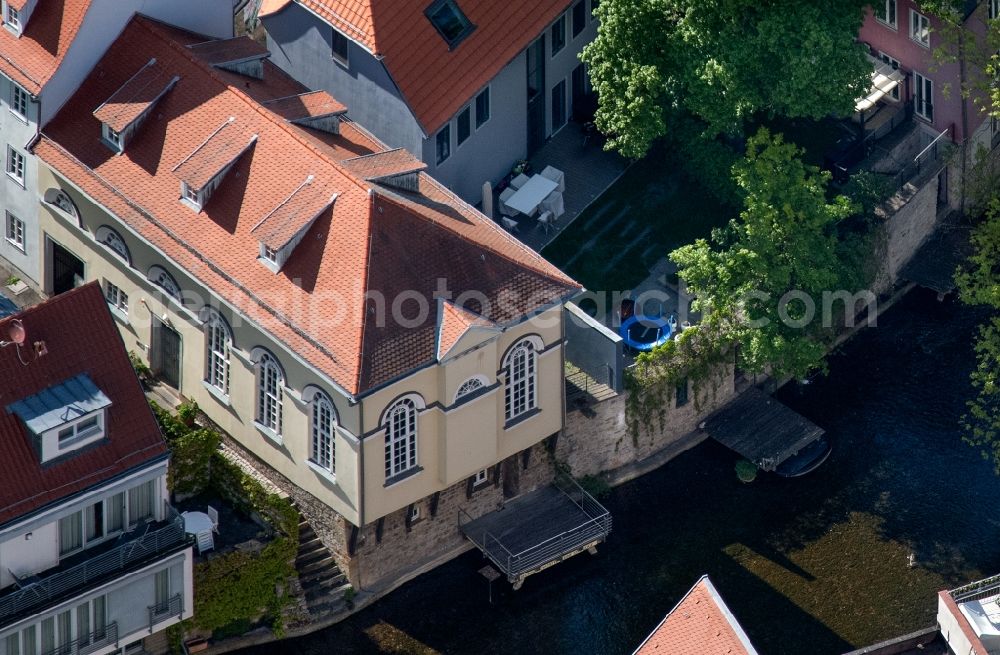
761, 429
538, 530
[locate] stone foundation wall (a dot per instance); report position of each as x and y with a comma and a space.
392, 547
597, 439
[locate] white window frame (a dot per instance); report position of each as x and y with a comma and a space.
218, 347
270, 392
920, 25
191, 196
521, 379
446, 132
471, 386
113, 138
919, 108
12, 17
344, 61
323, 433
552, 46
269, 254
15, 165
19, 101
414, 513
115, 243
84, 430
165, 281
891, 18
894, 63
402, 426
481, 477
117, 299
14, 231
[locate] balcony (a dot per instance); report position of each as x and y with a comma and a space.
90, 643
132, 550
173, 607
970, 617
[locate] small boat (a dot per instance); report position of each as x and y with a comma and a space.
806, 460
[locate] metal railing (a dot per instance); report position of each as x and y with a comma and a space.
173, 606
595, 528
985, 588
90, 643
39, 591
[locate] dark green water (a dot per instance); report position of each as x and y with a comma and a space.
816, 565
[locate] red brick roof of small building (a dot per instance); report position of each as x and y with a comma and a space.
436, 80
380, 165
700, 624
134, 97
454, 322
81, 338
226, 51
372, 239
222, 145
31, 59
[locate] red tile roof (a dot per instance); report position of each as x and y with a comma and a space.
314, 104
81, 338
297, 211
33, 58
373, 239
227, 51
700, 624
453, 322
436, 81
380, 165
134, 97
17, 4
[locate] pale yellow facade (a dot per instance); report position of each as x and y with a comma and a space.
454, 440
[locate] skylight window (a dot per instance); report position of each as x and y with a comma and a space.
449, 21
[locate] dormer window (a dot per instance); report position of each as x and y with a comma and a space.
123, 113
240, 55
285, 226
317, 110
201, 172
13, 18
450, 22
396, 168
65, 417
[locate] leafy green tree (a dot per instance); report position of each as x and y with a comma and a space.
784, 240
979, 284
723, 61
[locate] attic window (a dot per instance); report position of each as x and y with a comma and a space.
201, 172
449, 21
123, 113
12, 17
284, 227
64, 417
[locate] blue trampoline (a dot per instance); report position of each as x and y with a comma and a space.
7, 307
644, 333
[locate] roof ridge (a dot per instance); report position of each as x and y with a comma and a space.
365, 276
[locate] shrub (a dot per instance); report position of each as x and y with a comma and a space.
746, 470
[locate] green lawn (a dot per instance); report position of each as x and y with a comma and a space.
651, 210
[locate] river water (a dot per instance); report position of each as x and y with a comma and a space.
814, 565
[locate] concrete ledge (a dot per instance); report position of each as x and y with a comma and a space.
913, 642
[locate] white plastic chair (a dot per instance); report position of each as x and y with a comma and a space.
519, 181
557, 176
545, 220
554, 203
206, 541
214, 515
509, 223
504, 196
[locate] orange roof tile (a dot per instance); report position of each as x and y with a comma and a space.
313, 104
17, 4
34, 57
436, 81
453, 322
380, 165
371, 240
134, 97
700, 624
228, 51
219, 150
294, 214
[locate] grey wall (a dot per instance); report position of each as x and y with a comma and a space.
594, 348
300, 45
21, 201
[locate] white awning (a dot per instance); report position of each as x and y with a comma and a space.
885, 78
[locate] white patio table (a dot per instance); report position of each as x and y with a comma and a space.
528, 197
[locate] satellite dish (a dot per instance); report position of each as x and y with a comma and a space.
15, 332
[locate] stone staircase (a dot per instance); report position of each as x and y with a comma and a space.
323, 583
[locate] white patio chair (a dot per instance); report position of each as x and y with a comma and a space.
519, 181
545, 220
504, 196
554, 203
214, 515
509, 223
206, 542
556, 175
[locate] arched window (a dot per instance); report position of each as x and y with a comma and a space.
401, 436
161, 278
58, 199
270, 381
114, 242
218, 343
324, 430
470, 386
520, 370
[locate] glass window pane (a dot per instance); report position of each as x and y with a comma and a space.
70, 533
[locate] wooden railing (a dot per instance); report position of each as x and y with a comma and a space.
90, 643
39, 591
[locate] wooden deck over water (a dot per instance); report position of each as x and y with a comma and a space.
761, 429
539, 529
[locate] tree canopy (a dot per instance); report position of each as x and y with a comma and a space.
723, 61
783, 241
